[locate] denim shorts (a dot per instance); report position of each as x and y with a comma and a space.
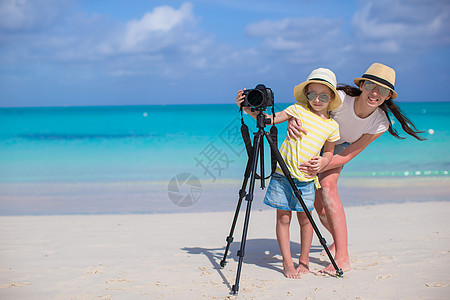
280, 195
341, 147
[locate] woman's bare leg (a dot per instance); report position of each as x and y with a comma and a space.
323, 219
318, 206
335, 217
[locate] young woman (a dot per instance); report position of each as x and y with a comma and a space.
363, 117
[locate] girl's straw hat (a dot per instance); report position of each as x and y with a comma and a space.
322, 76
382, 75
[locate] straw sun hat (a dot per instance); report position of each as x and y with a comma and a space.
380, 74
322, 76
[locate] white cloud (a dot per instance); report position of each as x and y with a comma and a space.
155, 26
299, 41
170, 44
398, 26
164, 41
379, 28
13, 14
30, 15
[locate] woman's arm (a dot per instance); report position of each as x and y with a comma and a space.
345, 156
295, 129
352, 151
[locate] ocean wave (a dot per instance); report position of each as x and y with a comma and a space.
405, 173
82, 136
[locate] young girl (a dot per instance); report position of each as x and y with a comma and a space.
316, 97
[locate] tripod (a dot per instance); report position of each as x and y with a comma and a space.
250, 172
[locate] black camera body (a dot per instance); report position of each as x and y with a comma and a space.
259, 97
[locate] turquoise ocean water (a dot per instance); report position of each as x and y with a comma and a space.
123, 144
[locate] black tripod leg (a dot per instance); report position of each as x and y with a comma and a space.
297, 193
242, 194
256, 146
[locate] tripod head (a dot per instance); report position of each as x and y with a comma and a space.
261, 120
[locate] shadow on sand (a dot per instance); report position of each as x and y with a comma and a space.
264, 253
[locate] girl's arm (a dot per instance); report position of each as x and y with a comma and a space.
328, 150
280, 116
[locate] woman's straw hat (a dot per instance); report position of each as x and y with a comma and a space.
322, 76
382, 75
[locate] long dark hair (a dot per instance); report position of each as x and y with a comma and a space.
389, 107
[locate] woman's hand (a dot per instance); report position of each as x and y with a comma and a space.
295, 129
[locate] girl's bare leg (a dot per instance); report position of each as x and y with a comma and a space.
335, 217
306, 235
284, 242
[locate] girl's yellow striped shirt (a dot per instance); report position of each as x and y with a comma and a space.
295, 152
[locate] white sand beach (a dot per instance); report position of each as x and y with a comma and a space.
398, 251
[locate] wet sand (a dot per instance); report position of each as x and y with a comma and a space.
49, 198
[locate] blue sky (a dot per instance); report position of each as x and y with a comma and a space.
94, 52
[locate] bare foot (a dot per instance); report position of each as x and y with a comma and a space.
332, 251
344, 265
289, 270
303, 268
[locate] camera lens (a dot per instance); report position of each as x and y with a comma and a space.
255, 98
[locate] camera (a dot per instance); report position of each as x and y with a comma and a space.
259, 97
